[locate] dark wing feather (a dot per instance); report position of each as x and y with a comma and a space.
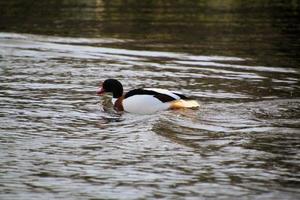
162, 97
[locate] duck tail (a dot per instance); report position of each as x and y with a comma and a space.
184, 104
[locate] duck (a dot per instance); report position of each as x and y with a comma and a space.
144, 100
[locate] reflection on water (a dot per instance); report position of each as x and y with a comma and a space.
264, 29
60, 141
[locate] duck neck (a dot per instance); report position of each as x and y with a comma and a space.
113, 100
118, 93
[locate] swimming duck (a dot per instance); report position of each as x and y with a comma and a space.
144, 100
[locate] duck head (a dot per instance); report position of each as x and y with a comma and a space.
111, 86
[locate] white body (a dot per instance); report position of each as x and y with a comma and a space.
148, 104
144, 104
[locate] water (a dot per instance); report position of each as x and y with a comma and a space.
59, 140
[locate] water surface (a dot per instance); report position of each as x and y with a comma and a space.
59, 140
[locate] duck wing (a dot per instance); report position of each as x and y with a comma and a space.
161, 94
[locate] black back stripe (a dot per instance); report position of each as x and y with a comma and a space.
139, 92
162, 97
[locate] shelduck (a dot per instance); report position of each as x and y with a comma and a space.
144, 100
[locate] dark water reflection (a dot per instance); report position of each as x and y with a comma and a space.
264, 29
240, 60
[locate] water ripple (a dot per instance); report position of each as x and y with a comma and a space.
57, 138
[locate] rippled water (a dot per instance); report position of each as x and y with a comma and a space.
58, 140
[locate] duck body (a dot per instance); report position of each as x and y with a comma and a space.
144, 100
